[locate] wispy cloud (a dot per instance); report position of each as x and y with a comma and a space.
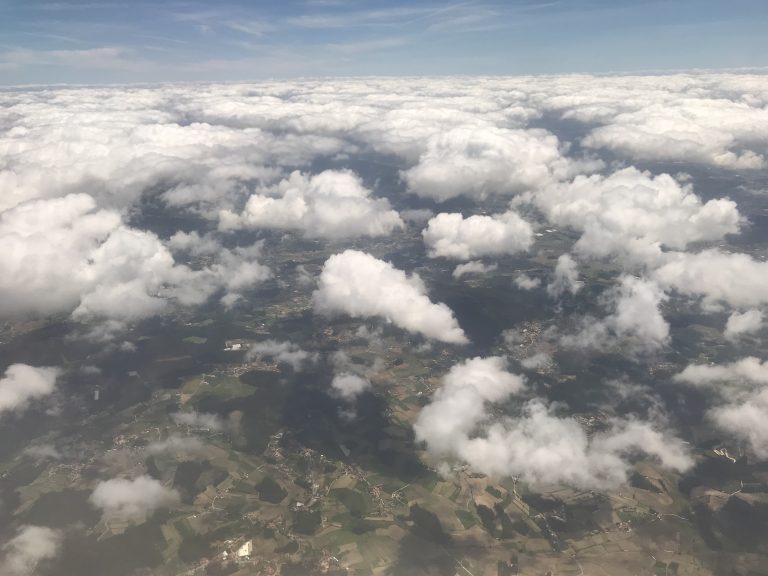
103, 57
251, 27
367, 46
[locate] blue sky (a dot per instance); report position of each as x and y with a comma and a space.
108, 41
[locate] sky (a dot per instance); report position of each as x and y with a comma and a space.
104, 41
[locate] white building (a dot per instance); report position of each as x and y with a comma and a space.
244, 552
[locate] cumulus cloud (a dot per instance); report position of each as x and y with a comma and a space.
132, 500
453, 236
566, 277
208, 146
633, 213
351, 378
360, 285
333, 204
742, 387
703, 130
22, 384
479, 161
286, 352
118, 143
349, 386
747, 420
746, 372
43, 452
718, 277
747, 322
460, 404
537, 361
65, 255
538, 446
473, 267
31, 546
712, 119
202, 420
175, 444
636, 321
525, 282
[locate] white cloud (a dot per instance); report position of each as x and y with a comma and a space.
333, 204
742, 387
175, 444
203, 420
479, 161
28, 548
539, 447
43, 452
539, 360
525, 282
747, 322
703, 130
349, 386
460, 404
116, 143
713, 119
360, 285
132, 500
286, 352
635, 213
636, 320
744, 373
63, 255
566, 277
747, 420
452, 236
473, 267
718, 277
23, 384
66, 255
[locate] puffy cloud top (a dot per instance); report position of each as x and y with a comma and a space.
747, 371
332, 204
360, 285
453, 236
460, 404
66, 255
633, 212
539, 447
566, 277
742, 387
478, 161
718, 277
132, 500
22, 384
28, 548
636, 321
747, 322
282, 352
